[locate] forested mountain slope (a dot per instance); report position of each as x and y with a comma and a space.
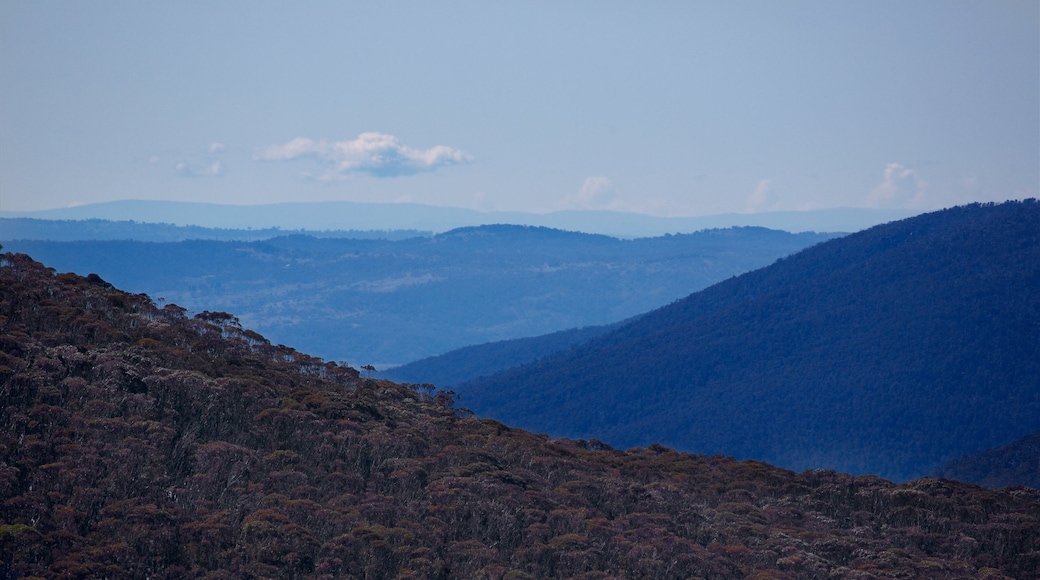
1017, 463
470, 363
388, 302
889, 351
136, 442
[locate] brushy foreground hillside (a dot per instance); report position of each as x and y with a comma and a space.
136, 442
889, 351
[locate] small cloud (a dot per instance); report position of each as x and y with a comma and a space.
376, 154
596, 193
762, 198
297, 147
901, 187
153, 160
482, 202
203, 165
211, 169
599, 193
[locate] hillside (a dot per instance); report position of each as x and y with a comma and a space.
387, 302
889, 351
1017, 463
470, 363
137, 442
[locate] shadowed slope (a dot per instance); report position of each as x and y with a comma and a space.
888, 351
1017, 463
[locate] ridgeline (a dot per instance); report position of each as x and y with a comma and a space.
889, 351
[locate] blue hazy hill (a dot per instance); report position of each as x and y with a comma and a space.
384, 302
103, 229
889, 351
409, 216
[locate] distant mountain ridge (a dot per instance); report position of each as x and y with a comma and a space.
1017, 463
889, 351
99, 229
386, 302
409, 216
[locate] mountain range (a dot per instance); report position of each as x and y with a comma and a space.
408, 216
139, 442
889, 351
98, 229
383, 301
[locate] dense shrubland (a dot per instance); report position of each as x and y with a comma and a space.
135, 441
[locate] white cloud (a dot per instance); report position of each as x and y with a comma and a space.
595, 193
901, 187
211, 169
201, 165
762, 196
482, 202
599, 193
376, 154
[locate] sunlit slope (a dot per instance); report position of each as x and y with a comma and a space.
888, 351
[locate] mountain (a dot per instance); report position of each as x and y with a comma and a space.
386, 302
410, 216
889, 351
136, 442
470, 363
1017, 463
98, 229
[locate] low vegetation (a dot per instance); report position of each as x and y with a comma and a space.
138, 442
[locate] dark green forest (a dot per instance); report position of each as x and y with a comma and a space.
139, 442
387, 302
890, 351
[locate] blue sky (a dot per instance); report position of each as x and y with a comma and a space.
666, 108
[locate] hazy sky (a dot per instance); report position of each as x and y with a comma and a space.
668, 108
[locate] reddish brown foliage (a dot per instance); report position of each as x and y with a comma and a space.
140, 442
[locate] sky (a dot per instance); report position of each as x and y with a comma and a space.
656, 107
